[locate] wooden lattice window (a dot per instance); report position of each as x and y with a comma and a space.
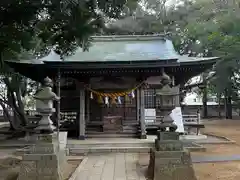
150, 98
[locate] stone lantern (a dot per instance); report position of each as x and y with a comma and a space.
46, 157
166, 99
169, 160
44, 105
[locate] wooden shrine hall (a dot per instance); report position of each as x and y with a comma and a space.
105, 91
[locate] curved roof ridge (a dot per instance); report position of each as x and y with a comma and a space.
147, 37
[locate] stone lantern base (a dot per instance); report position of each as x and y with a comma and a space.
45, 159
169, 161
45, 125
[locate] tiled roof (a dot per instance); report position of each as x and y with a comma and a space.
123, 48
132, 48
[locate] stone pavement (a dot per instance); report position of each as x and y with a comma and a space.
113, 166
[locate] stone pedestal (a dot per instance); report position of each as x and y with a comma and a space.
45, 160
169, 161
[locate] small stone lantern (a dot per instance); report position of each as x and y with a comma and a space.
44, 105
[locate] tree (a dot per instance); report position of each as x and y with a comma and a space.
145, 18
62, 26
214, 33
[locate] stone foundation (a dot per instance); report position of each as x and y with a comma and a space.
45, 159
169, 161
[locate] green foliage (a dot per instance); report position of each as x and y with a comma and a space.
60, 24
211, 28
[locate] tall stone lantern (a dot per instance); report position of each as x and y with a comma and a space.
45, 159
169, 160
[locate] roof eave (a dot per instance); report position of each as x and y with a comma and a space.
204, 61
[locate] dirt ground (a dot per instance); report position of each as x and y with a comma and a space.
226, 170
218, 171
226, 128
205, 171
10, 166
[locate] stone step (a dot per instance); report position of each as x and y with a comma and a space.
130, 127
124, 129
110, 135
88, 132
81, 151
95, 144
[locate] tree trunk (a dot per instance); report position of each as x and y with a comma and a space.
228, 105
219, 106
16, 103
13, 125
21, 107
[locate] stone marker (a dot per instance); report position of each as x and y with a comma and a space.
46, 158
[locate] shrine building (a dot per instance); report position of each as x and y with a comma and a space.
106, 91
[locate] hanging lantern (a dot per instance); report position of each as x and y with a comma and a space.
91, 95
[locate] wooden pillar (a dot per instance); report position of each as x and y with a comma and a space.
177, 98
82, 122
138, 105
87, 118
142, 115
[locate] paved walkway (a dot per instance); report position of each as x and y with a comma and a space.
212, 158
116, 166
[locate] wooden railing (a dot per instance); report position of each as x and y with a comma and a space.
187, 119
193, 118
190, 123
28, 112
